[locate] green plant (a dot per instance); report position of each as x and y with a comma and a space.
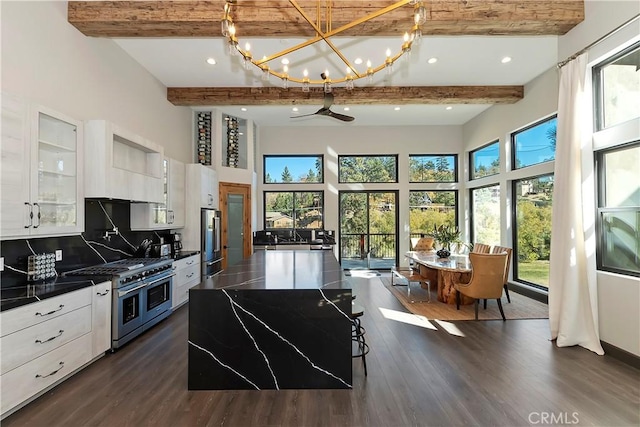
447, 235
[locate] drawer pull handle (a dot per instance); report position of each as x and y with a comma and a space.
51, 312
50, 339
190, 262
190, 275
102, 294
52, 373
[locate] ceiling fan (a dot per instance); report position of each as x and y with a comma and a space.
325, 111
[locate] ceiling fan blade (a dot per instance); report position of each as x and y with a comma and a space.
328, 100
321, 112
339, 116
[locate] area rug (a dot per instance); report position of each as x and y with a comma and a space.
521, 307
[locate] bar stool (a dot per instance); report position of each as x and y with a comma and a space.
410, 275
360, 347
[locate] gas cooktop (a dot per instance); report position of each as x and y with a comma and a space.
121, 267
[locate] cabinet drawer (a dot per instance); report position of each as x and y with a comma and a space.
188, 274
26, 344
186, 262
32, 314
29, 379
182, 292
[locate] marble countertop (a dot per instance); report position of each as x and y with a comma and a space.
281, 270
16, 296
184, 254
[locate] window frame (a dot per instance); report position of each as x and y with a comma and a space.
455, 168
471, 163
598, 85
514, 230
341, 156
264, 168
293, 192
601, 209
514, 154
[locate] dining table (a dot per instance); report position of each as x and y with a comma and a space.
444, 273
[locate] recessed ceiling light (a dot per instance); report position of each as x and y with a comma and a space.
346, 108
211, 61
295, 109
432, 60
285, 61
449, 107
506, 59
397, 108
358, 61
243, 109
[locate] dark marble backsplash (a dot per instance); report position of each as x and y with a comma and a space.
97, 245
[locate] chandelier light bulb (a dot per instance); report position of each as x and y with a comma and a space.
247, 47
417, 35
420, 15
232, 30
224, 27
285, 69
285, 82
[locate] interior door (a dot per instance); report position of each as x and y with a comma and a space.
235, 204
368, 229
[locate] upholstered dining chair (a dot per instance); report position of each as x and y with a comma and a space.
487, 279
500, 249
481, 248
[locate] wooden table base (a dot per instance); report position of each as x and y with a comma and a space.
444, 280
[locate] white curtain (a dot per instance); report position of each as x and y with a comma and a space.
573, 301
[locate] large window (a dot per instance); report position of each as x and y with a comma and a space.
293, 210
428, 209
293, 169
485, 161
485, 216
619, 209
362, 169
533, 199
535, 144
618, 88
424, 168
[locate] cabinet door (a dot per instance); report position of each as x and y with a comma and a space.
15, 205
56, 174
101, 319
177, 174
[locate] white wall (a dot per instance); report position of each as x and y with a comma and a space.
348, 140
49, 62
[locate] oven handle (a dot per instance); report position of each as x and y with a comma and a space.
144, 285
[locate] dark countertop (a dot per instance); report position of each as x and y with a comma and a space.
297, 242
281, 270
28, 293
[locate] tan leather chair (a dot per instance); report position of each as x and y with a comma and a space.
481, 248
500, 249
487, 279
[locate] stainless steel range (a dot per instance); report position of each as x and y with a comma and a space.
141, 294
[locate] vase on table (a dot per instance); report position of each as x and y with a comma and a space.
443, 253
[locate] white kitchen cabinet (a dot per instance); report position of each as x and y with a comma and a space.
43, 343
202, 182
122, 165
42, 180
187, 274
169, 214
101, 318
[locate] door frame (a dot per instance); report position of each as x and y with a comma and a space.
227, 188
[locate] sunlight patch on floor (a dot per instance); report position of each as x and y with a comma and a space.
409, 318
450, 327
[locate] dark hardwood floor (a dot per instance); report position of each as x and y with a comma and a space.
486, 373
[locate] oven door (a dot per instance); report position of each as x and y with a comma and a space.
128, 310
157, 299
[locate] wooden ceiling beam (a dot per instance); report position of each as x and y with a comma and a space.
276, 18
205, 96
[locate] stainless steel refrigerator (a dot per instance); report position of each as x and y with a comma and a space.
210, 248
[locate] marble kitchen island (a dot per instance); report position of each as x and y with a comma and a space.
277, 320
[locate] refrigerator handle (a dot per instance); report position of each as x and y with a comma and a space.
217, 233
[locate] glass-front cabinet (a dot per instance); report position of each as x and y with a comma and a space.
41, 180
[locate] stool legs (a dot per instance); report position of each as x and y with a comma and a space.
357, 336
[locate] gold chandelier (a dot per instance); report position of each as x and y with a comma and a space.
410, 37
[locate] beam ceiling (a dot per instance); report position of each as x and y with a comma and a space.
276, 18
199, 96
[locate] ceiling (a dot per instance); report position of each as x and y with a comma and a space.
175, 53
